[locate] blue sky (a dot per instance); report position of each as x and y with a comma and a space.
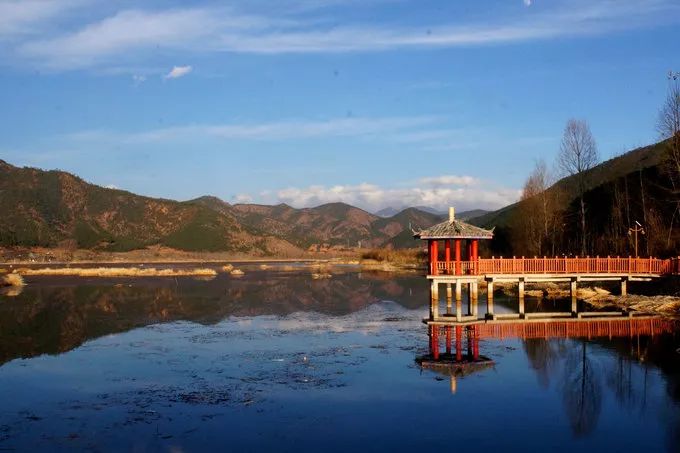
372, 102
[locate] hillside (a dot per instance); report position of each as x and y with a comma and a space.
57, 209
626, 188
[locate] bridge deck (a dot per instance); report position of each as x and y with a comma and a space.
616, 266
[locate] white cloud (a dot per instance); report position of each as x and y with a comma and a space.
528, 2
372, 197
275, 130
449, 180
26, 17
178, 71
138, 79
130, 36
242, 198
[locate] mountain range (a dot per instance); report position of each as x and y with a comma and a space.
58, 209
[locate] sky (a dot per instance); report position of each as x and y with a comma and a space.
375, 103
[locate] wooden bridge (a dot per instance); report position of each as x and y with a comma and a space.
644, 267
450, 269
455, 274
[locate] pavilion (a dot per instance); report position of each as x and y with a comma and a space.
453, 232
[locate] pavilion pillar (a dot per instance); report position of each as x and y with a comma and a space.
475, 255
435, 257
457, 255
447, 255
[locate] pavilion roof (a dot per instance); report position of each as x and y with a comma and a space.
453, 229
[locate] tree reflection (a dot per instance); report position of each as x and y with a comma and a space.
544, 357
582, 391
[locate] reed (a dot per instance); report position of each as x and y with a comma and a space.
120, 272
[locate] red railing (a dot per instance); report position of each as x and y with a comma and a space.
545, 265
569, 329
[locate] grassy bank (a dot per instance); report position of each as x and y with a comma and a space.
117, 272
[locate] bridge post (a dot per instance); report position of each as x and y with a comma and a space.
459, 310
624, 286
573, 293
434, 302
474, 298
449, 297
489, 297
459, 294
521, 297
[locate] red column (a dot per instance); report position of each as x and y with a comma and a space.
475, 343
457, 252
447, 254
459, 343
429, 256
435, 253
448, 340
435, 342
475, 255
469, 254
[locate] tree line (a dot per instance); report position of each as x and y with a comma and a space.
595, 213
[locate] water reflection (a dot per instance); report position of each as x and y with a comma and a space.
567, 354
54, 315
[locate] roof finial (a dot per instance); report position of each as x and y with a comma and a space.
452, 214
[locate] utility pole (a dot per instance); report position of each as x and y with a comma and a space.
634, 232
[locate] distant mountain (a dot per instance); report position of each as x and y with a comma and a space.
55, 208
473, 213
387, 212
463, 215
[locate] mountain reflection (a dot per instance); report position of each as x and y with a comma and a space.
582, 360
55, 315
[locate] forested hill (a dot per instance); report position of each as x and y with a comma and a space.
632, 187
57, 209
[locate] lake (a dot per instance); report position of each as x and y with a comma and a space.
277, 360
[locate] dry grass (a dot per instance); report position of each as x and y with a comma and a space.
401, 256
321, 276
12, 280
237, 272
227, 268
120, 272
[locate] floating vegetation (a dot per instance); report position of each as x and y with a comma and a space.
228, 268
237, 273
320, 276
119, 272
12, 279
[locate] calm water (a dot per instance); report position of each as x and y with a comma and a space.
279, 361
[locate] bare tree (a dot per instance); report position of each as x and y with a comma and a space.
578, 154
669, 128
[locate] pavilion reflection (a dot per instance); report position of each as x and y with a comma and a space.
454, 347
